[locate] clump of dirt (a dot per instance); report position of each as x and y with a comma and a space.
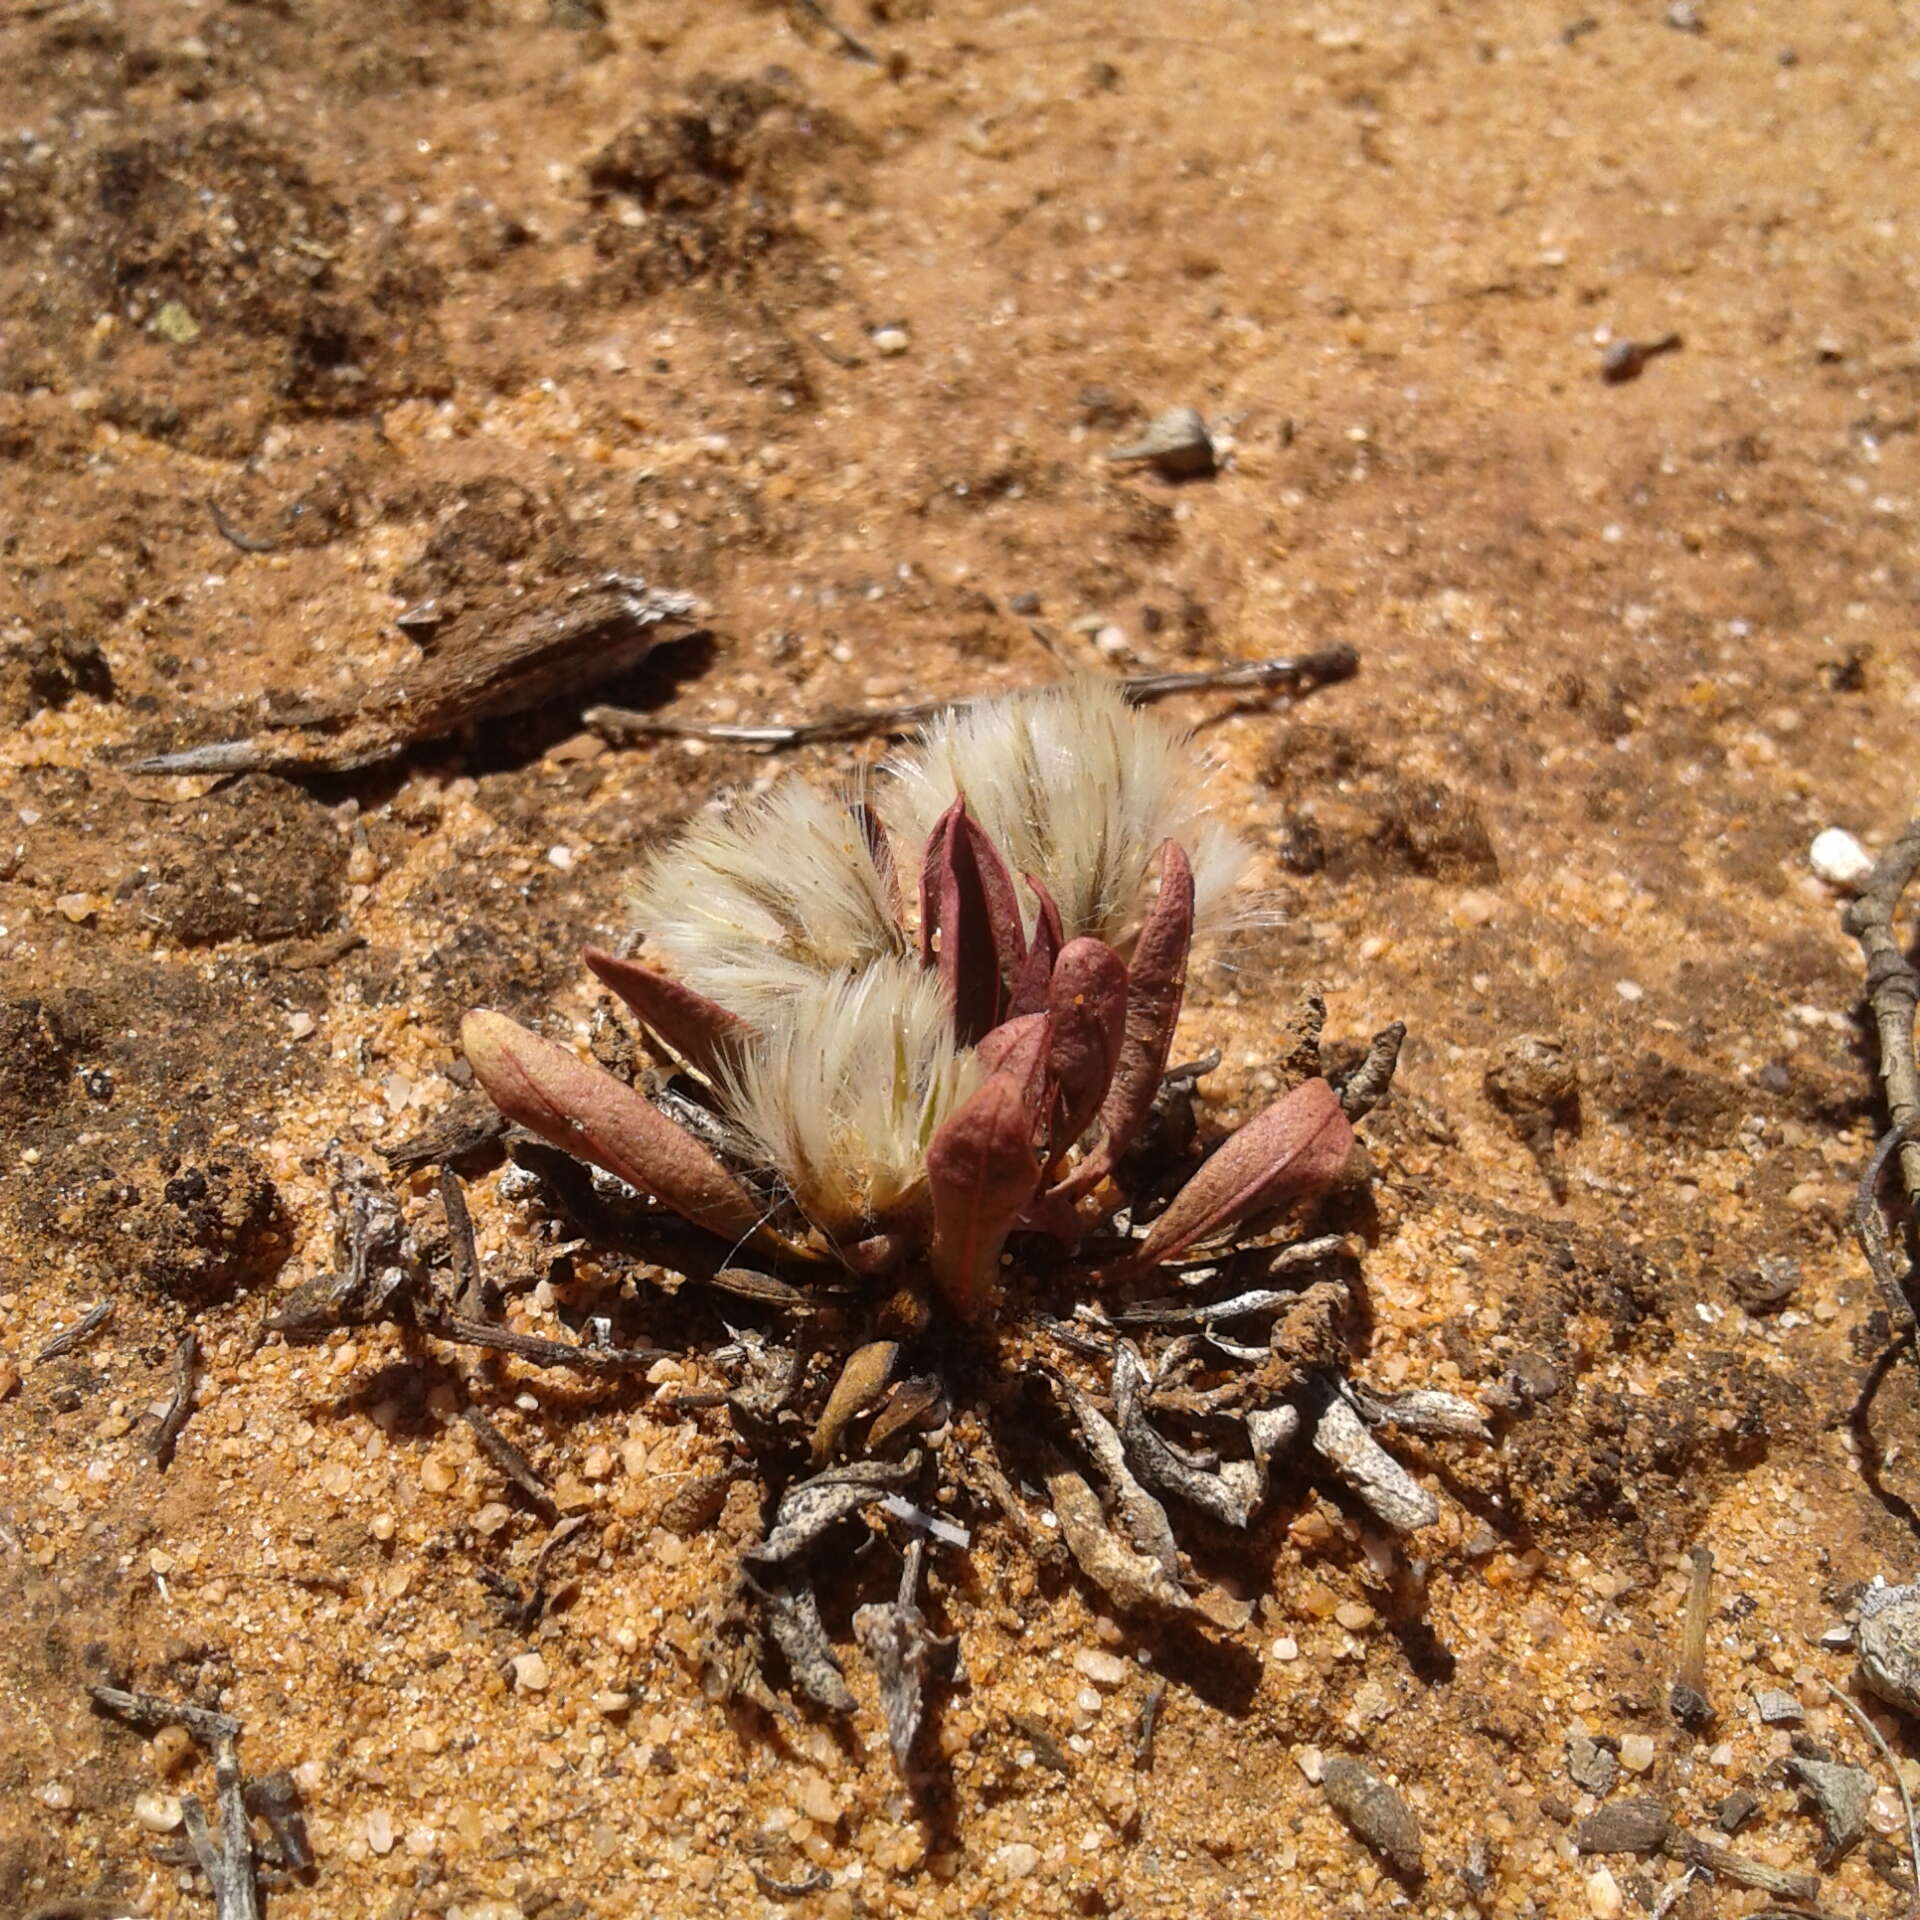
258, 860
706, 191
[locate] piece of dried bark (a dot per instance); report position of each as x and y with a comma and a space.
1374, 1810
503, 663
1841, 1795
1626, 1826
1142, 1519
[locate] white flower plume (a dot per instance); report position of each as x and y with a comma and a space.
844, 1088
765, 902
1078, 788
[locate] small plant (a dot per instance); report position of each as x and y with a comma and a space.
926, 1030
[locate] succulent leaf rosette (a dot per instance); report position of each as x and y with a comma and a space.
928, 1026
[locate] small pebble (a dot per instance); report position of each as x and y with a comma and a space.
380, 1831
157, 1812
530, 1672
1102, 1668
1636, 1752
9, 1379
1778, 1708
1354, 1615
1838, 858
170, 1749
56, 1794
1016, 1860
1603, 1894
891, 341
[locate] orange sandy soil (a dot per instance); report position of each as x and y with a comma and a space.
445, 301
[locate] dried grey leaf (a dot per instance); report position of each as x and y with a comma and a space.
903, 1649
1888, 1642
794, 1623
1841, 1795
1176, 444
814, 1506
1425, 1410
1230, 1493
1131, 1580
1627, 1826
1341, 1439
1174, 1313
1142, 1518
1590, 1765
1374, 1810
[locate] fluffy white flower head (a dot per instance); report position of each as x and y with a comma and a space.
844, 1088
766, 902
1079, 789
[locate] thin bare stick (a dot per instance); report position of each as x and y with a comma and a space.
470, 1296
512, 1462
1893, 992
66, 1340
186, 1371
1866, 1726
1870, 1226
852, 48
620, 725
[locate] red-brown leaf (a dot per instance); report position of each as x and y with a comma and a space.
1298, 1146
1088, 1000
595, 1117
981, 1171
702, 1033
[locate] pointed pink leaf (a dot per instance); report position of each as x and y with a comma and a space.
1088, 1000
1296, 1147
981, 1171
970, 921
595, 1117
703, 1034
1030, 989
1156, 981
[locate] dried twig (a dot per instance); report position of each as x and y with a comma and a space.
852, 48
229, 1866
65, 1341
512, 1462
1893, 992
470, 1293
620, 725
186, 1371
1688, 1701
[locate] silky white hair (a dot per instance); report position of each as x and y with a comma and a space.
764, 903
1078, 788
845, 1086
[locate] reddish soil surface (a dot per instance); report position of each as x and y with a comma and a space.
309, 315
